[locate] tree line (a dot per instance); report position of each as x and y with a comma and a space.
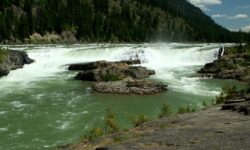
111, 21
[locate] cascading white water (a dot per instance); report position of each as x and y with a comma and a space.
52, 60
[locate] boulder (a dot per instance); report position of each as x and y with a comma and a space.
110, 71
118, 77
139, 72
231, 74
13, 60
247, 96
88, 66
131, 86
102, 64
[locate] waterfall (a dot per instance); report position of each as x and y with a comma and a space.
50, 60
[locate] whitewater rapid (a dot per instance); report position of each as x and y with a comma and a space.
169, 60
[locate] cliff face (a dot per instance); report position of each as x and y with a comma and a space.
12, 60
107, 21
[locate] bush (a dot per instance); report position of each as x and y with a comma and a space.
110, 77
2, 54
182, 110
204, 104
248, 88
110, 123
139, 120
228, 92
93, 134
165, 111
220, 99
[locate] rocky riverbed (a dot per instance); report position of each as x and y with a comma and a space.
118, 77
12, 60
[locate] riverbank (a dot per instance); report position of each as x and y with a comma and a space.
233, 63
12, 60
207, 129
217, 127
52, 109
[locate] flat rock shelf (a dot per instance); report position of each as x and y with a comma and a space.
207, 129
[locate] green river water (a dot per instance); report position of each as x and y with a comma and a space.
42, 106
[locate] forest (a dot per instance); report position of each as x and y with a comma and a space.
111, 21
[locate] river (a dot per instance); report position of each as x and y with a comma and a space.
42, 106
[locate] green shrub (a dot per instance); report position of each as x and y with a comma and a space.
139, 120
165, 111
248, 88
228, 92
204, 104
110, 123
93, 134
220, 99
182, 110
110, 77
2, 54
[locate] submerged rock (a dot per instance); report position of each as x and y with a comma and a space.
13, 60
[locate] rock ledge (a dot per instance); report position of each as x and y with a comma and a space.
118, 77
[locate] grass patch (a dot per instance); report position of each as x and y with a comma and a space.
182, 110
228, 92
3, 53
139, 120
165, 111
93, 134
204, 104
110, 124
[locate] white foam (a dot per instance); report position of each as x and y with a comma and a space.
64, 125
19, 132
51, 60
17, 104
3, 112
3, 129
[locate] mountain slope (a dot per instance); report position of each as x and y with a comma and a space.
205, 28
108, 21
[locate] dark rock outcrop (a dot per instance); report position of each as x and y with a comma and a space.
239, 105
230, 66
118, 77
13, 60
102, 64
119, 72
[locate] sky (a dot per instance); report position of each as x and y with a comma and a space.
232, 14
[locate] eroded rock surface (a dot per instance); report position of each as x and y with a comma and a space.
130, 86
118, 77
208, 129
232, 65
13, 60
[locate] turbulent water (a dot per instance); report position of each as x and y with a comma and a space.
41, 106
